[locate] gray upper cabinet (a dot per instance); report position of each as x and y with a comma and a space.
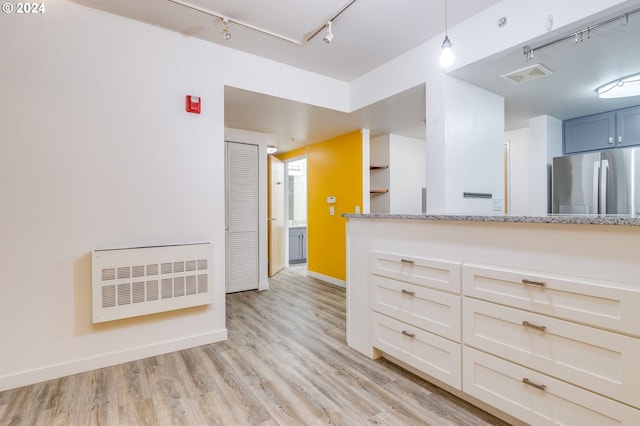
628, 126
596, 132
590, 133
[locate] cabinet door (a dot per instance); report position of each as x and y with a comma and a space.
628, 127
603, 304
432, 310
439, 274
430, 354
295, 246
303, 244
242, 219
585, 356
536, 398
590, 133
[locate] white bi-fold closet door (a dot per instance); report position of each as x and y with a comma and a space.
242, 216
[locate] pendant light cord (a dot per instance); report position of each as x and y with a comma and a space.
446, 14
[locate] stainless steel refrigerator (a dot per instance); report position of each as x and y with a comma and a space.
605, 182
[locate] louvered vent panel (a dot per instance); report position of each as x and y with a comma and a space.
244, 271
191, 285
152, 290
124, 294
138, 271
108, 296
140, 281
137, 292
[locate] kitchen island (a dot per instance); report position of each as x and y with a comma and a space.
533, 318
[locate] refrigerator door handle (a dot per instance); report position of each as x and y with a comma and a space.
604, 173
596, 182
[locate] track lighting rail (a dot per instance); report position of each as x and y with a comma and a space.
306, 38
578, 35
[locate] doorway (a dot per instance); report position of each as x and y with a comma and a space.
296, 206
277, 217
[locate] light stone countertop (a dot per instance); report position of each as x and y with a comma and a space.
626, 220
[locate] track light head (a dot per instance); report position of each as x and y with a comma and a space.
226, 34
329, 35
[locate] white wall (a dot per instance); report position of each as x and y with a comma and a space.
404, 177
531, 157
474, 39
380, 178
96, 151
474, 147
519, 146
408, 173
545, 143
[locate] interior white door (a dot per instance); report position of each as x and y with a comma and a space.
242, 224
277, 217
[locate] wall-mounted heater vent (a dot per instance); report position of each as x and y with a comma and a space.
145, 280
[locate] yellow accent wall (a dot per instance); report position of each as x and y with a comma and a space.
334, 167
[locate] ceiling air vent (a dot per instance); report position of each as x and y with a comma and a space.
530, 73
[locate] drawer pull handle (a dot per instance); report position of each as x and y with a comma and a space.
536, 283
537, 327
409, 261
406, 333
410, 293
526, 381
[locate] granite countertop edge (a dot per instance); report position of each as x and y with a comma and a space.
625, 220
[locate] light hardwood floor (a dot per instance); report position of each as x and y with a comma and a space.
285, 363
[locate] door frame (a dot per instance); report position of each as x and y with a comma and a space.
286, 204
273, 213
243, 229
262, 140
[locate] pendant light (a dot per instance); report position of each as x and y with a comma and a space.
446, 56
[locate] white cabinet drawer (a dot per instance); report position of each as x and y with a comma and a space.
502, 385
595, 359
432, 310
431, 354
434, 273
609, 305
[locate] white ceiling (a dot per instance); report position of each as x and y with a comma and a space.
295, 124
609, 52
370, 33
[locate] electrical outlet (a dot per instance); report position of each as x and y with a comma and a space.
357, 209
497, 204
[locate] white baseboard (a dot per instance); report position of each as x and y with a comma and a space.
37, 375
328, 279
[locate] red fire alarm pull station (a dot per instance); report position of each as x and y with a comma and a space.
193, 104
